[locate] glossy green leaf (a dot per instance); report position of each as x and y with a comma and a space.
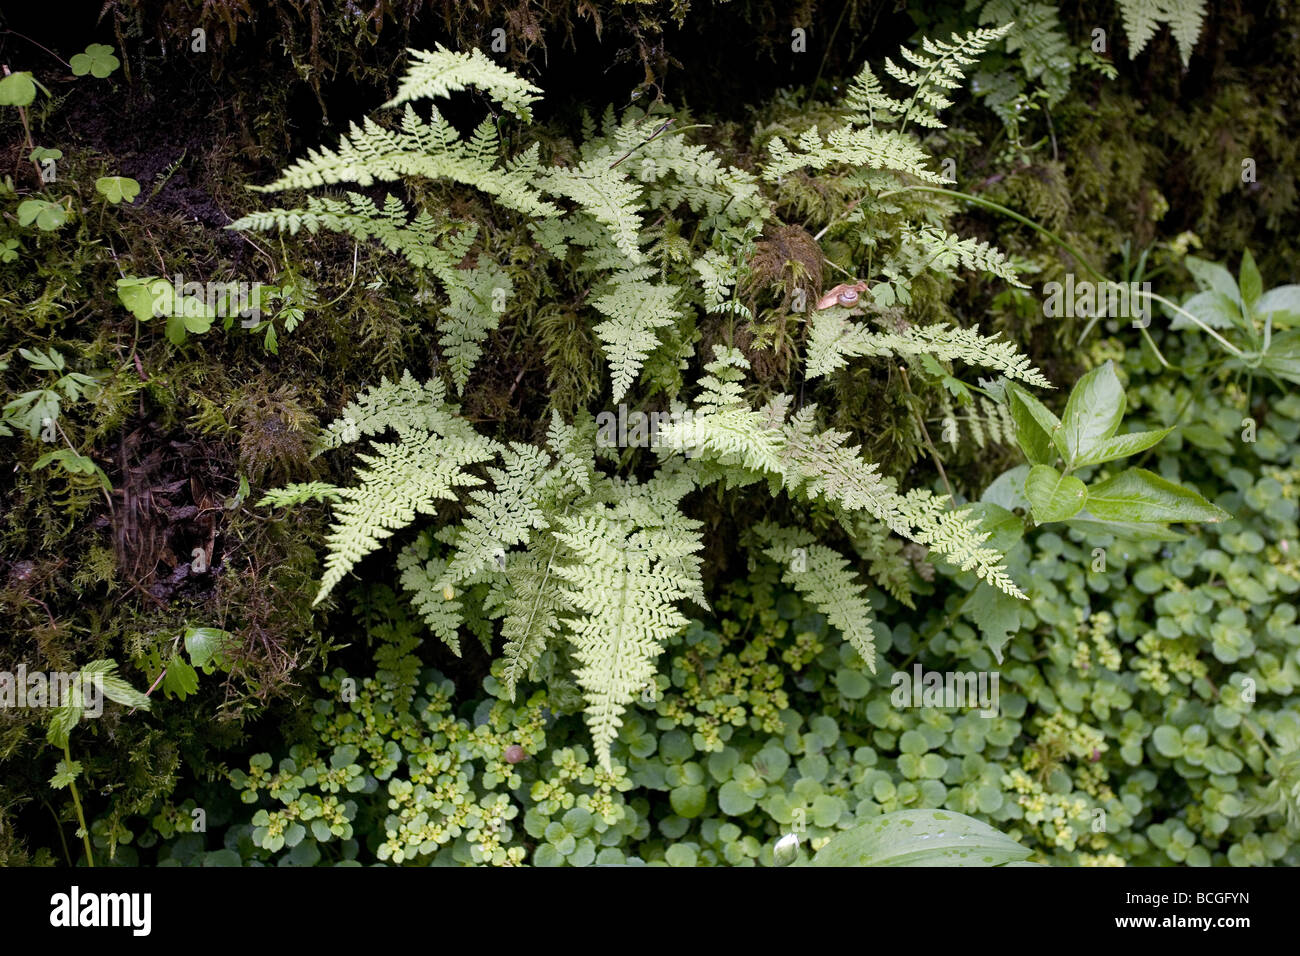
1121, 446
1092, 413
920, 838
1053, 496
1141, 495
1037, 429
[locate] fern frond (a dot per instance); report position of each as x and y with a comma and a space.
403, 479
822, 577
440, 72
431, 150
636, 309
532, 607
1143, 17
834, 340
474, 310
627, 594
607, 196
297, 494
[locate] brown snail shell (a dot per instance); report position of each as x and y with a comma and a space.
845, 295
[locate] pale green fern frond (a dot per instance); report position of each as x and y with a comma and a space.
636, 309
822, 577
626, 594
402, 479
440, 72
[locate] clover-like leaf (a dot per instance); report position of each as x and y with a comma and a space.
17, 89
47, 215
98, 60
117, 189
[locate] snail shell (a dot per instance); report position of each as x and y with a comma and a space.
845, 295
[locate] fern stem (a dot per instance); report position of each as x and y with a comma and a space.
1011, 213
81, 817
925, 434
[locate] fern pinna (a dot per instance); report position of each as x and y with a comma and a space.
550, 550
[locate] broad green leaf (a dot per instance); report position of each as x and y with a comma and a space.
117, 189
1121, 446
1008, 489
1283, 356
1053, 496
48, 216
1211, 275
17, 89
1042, 415
1141, 495
1213, 308
1092, 413
920, 838
996, 614
1205, 436
207, 645
1252, 285
1034, 439
1283, 304
1003, 527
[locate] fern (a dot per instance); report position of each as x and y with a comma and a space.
558, 560
441, 72
822, 577
1143, 17
627, 592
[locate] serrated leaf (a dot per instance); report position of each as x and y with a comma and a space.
120, 692
1138, 495
1053, 496
66, 772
